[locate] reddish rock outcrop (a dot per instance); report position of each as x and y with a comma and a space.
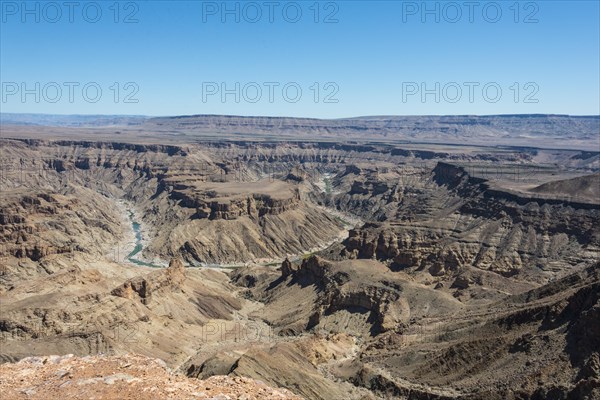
143, 287
121, 377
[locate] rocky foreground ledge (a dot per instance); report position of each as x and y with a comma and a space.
121, 377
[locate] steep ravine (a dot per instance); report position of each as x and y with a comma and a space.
135, 255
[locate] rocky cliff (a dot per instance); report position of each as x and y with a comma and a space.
483, 227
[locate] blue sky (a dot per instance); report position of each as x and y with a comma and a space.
351, 58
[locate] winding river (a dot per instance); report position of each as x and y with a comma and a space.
137, 228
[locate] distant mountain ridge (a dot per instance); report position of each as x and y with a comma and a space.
534, 130
77, 119
516, 130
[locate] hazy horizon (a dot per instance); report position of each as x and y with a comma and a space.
303, 117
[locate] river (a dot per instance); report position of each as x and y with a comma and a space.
137, 229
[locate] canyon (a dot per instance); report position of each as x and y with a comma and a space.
364, 268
